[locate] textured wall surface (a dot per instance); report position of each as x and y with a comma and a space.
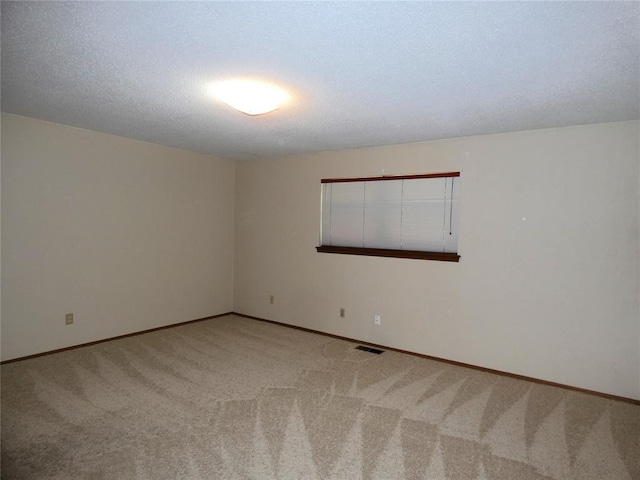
130, 236
547, 284
126, 235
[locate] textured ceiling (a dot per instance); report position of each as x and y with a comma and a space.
361, 73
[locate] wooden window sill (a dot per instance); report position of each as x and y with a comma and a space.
383, 252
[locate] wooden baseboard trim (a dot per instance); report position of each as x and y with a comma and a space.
453, 362
88, 344
353, 340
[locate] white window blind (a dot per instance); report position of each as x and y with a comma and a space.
409, 213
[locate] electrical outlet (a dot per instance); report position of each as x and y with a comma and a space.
342, 313
376, 319
272, 299
68, 319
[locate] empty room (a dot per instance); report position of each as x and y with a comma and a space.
320, 240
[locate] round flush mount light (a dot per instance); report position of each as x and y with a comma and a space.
253, 97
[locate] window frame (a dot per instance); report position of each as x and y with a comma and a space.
384, 252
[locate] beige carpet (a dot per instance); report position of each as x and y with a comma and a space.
234, 398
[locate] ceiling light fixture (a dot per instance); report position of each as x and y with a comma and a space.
253, 97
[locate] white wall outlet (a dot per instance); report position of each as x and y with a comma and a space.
68, 319
272, 299
376, 319
342, 313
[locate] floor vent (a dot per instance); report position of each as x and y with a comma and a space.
369, 349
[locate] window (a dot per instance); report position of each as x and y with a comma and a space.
408, 216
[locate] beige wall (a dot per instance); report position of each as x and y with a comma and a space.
548, 282
129, 236
126, 235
